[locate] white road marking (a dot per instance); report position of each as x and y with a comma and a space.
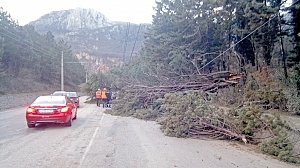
91, 142
21, 129
3, 126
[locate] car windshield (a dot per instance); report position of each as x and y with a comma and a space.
72, 94
50, 100
60, 93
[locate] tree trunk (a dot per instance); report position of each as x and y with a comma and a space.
282, 50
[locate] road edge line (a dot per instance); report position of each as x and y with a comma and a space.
91, 142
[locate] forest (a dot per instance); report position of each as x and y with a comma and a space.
222, 69
31, 62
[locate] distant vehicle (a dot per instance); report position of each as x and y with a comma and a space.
60, 93
72, 95
51, 109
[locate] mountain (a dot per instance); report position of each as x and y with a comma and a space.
71, 20
93, 37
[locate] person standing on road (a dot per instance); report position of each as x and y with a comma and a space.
104, 97
98, 97
109, 97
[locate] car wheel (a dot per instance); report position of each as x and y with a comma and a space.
30, 125
75, 116
69, 123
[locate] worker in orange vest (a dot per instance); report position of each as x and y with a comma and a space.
104, 97
98, 97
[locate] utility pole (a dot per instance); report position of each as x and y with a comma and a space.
86, 76
125, 41
136, 36
62, 71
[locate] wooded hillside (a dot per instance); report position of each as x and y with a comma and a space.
256, 41
30, 61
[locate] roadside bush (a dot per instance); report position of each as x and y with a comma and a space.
190, 114
250, 87
267, 98
276, 99
293, 93
181, 110
279, 145
253, 122
126, 107
129, 106
232, 96
247, 119
263, 88
293, 101
145, 114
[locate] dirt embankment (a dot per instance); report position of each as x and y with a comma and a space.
17, 100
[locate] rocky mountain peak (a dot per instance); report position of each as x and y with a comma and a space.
72, 19
93, 37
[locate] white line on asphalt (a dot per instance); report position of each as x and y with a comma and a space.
21, 129
3, 126
91, 141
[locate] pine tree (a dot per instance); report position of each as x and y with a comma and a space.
24, 52
187, 34
259, 17
295, 22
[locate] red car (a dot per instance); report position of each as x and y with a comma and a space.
51, 109
74, 97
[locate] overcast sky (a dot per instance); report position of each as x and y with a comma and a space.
134, 11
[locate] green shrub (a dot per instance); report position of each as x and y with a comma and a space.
247, 119
280, 146
181, 113
293, 101
134, 106
181, 110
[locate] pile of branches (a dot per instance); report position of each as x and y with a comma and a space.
183, 110
189, 115
180, 107
217, 129
208, 83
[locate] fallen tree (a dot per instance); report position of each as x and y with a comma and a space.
184, 110
208, 83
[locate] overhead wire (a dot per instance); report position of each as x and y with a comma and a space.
22, 42
31, 44
34, 46
270, 19
13, 35
16, 37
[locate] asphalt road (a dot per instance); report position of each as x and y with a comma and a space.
98, 140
